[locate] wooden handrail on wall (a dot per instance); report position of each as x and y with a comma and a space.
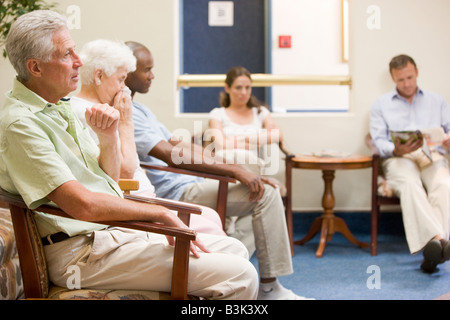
262, 80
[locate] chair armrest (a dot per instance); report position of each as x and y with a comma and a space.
285, 150
184, 209
189, 172
138, 225
223, 185
169, 204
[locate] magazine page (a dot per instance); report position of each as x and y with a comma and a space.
404, 136
433, 136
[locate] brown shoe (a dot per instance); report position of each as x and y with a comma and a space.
445, 250
432, 256
428, 266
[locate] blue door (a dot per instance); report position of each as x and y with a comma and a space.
215, 49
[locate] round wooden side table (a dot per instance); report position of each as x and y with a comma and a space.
327, 224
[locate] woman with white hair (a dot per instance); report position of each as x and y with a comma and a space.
105, 67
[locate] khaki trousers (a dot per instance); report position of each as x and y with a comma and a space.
268, 220
119, 258
424, 194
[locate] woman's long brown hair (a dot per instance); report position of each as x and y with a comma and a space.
232, 74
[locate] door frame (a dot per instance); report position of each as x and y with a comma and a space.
267, 53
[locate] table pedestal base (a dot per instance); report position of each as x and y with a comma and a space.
328, 223
327, 227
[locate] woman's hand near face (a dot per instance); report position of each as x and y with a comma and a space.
123, 103
104, 121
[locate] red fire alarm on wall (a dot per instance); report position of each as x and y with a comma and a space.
284, 41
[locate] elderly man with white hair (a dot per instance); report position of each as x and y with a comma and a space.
47, 156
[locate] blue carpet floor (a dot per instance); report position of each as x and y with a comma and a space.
347, 272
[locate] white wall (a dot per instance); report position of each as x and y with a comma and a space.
315, 29
415, 27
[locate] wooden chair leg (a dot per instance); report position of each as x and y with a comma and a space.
33, 280
180, 270
288, 204
375, 219
222, 196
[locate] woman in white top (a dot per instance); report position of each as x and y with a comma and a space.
105, 69
106, 65
242, 131
242, 126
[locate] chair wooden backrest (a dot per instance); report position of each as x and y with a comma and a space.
128, 185
376, 198
31, 253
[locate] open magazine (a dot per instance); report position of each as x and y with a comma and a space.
405, 136
433, 138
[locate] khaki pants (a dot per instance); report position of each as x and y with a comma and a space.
268, 220
424, 195
119, 258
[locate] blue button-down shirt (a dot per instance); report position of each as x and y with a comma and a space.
392, 112
148, 132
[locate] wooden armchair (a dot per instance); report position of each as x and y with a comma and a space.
34, 266
223, 188
381, 195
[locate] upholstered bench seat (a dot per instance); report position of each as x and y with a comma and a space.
60, 293
11, 286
